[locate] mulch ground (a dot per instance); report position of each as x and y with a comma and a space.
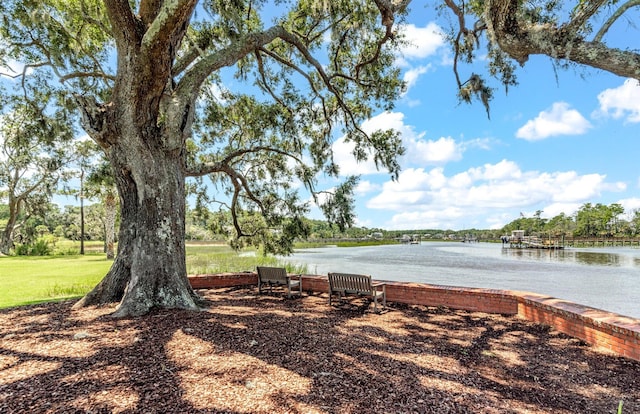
269, 354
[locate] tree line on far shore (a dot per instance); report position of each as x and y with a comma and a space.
52, 223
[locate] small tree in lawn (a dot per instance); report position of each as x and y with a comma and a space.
33, 148
101, 185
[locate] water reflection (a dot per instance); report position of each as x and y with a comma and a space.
605, 278
604, 259
599, 258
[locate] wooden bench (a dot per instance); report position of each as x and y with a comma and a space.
277, 276
360, 285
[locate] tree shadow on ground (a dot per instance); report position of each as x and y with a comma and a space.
269, 354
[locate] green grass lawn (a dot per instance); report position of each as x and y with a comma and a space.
28, 279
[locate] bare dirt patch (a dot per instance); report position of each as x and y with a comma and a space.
270, 354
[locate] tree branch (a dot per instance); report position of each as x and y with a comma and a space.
227, 56
265, 83
186, 59
76, 75
222, 165
93, 118
615, 16
520, 39
456, 46
584, 11
466, 40
294, 41
149, 10
122, 20
168, 27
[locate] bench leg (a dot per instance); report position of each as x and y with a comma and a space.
375, 300
289, 292
331, 296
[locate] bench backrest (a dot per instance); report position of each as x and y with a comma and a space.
272, 274
349, 283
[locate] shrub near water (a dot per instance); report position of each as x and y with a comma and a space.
222, 259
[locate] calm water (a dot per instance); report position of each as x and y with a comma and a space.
604, 278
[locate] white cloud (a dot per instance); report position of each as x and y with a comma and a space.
630, 204
434, 200
365, 187
500, 171
557, 120
431, 152
422, 41
14, 68
623, 101
572, 186
343, 156
482, 143
411, 76
386, 120
343, 151
419, 151
363, 223
554, 209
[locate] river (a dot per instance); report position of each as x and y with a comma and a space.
604, 278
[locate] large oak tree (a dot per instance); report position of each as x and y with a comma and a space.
318, 70
153, 80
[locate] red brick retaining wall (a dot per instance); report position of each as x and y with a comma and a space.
605, 330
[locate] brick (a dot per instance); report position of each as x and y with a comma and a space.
606, 330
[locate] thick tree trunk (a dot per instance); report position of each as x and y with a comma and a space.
143, 131
112, 287
5, 243
6, 238
150, 269
110, 205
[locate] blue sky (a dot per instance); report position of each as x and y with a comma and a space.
558, 140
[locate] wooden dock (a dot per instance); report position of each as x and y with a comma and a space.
602, 242
533, 242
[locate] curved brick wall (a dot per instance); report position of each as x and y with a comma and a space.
605, 330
